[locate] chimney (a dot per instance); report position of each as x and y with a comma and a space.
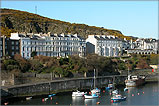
55, 34
91, 36
63, 35
49, 34
108, 36
113, 36
75, 35
103, 36
98, 36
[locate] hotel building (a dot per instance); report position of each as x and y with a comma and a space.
102, 45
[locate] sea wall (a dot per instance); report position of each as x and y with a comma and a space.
55, 86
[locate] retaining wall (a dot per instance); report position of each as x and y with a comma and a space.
62, 85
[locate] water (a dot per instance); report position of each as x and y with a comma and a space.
143, 95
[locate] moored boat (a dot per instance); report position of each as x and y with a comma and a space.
118, 97
134, 80
28, 98
126, 89
78, 94
95, 90
51, 95
110, 86
115, 92
93, 95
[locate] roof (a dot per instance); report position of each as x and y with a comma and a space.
100, 37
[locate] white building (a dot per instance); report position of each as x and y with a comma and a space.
145, 46
104, 45
50, 45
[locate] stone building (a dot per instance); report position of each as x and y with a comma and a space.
104, 45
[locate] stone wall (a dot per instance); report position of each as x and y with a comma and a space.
6, 79
62, 85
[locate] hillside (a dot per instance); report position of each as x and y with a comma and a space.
15, 20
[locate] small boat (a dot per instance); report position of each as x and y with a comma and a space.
126, 89
78, 94
118, 97
94, 95
51, 95
45, 99
110, 86
134, 80
28, 98
95, 90
115, 92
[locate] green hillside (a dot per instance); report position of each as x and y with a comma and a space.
21, 21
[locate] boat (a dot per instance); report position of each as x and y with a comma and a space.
95, 90
118, 97
126, 89
134, 80
78, 94
28, 98
115, 92
110, 86
51, 95
93, 95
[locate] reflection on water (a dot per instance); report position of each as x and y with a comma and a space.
91, 101
143, 95
77, 100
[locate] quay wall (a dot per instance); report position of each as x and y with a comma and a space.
55, 86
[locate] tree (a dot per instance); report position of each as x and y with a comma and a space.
36, 65
60, 71
12, 67
34, 53
154, 59
23, 63
142, 64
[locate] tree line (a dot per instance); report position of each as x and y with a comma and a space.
67, 66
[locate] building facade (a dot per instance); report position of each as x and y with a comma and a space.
9, 47
57, 45
102, 45
145, 46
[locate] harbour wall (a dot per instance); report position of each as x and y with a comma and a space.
55, 86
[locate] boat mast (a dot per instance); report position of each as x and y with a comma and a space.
128, 70
94, 79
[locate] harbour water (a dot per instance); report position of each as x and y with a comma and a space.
147, 94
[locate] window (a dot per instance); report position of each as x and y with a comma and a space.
12, 53
17, 48
12, 42
17, 43
12, 47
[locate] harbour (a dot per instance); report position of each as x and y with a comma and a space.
147, 94
79, 53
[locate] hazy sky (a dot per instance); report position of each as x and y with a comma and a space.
132, 18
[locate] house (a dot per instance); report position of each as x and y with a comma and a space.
103, 45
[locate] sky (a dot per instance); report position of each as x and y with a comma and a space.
132, 18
